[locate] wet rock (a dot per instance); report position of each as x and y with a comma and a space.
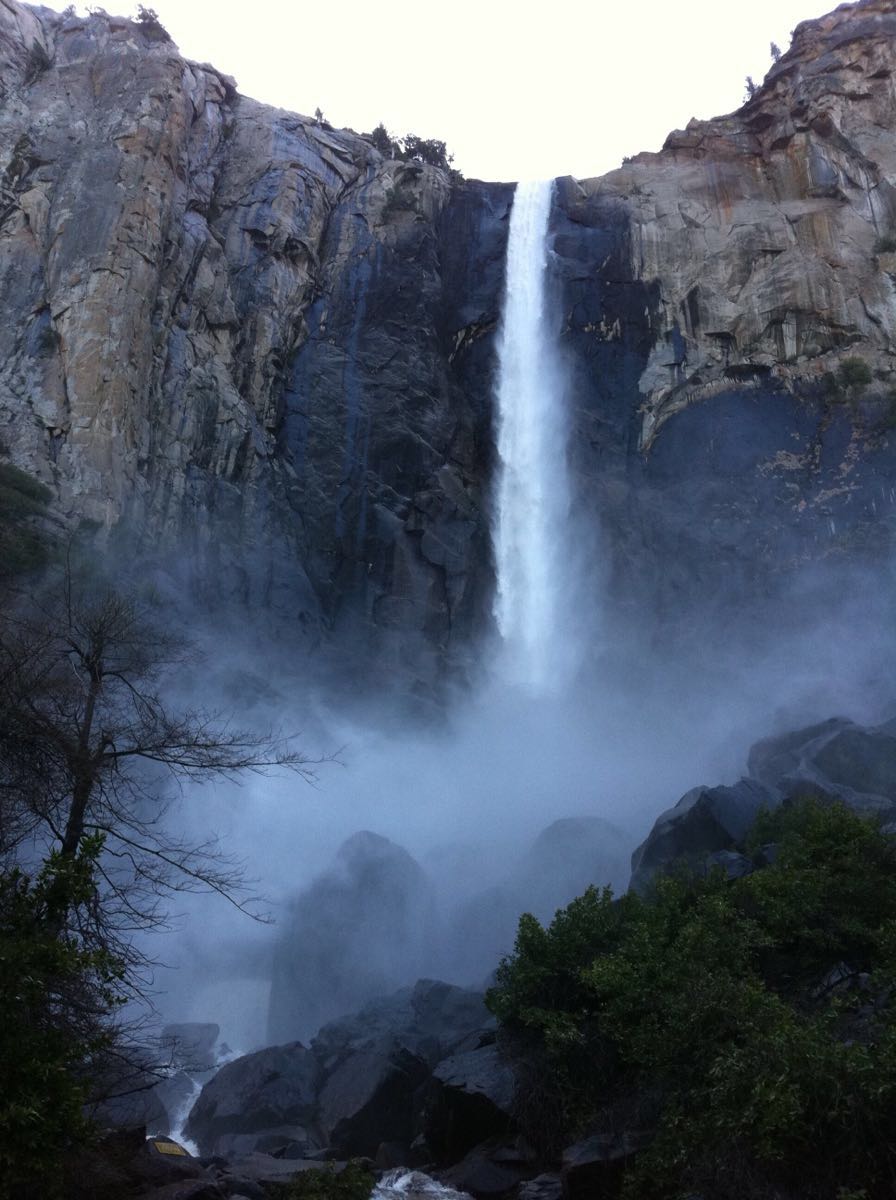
480, 1175
594, 1167
542, 1187
286, 1141
175, 1094
400, 1183
836, 758
261, 1091
370, 1098
471, 1099
705, 821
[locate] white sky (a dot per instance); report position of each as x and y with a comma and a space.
515, 90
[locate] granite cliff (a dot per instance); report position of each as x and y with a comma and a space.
238, 339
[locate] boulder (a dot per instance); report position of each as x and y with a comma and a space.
566, 857
370, 1098
363, 926
374, 1063
163, 1161
285, 1141
704, 822
493, 1168
836, 758
470, 1099
542, 1187
431, 1019
262, 1091
594, 1166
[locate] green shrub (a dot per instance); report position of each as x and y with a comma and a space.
854, 373
23, 501
353, 1182
885, 244
708, 997
55, 996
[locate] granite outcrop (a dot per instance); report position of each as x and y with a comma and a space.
254, 352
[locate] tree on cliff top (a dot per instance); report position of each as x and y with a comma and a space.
411, 148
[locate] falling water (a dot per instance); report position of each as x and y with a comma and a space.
532, 495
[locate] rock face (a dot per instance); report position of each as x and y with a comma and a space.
241, 340
240, 333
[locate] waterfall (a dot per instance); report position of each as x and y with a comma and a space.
532, 498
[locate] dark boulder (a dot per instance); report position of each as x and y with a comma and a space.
836, 757
374, 1063
261, 1091
542, 1187
471, 1099
431, 1019
703, 822
567, 857
285, 1141
486, 1172
371, 1098
594, 1167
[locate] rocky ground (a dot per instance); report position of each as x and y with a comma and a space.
423, 1079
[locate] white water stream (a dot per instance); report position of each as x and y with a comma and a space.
532, 499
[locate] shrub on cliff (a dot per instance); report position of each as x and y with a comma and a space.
753, 1017
23, 503
412, 148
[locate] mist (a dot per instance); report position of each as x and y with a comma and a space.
616, 713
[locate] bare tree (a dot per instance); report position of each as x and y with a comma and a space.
90, 743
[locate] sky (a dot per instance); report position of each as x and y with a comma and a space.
515, 91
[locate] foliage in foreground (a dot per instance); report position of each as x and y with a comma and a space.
55, 998
353, 1182
752, 1018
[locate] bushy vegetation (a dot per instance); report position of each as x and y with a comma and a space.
353, 1182
412, 148
854, 373
23, 502
86, 852
148, 20
752, 1019
56, 995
